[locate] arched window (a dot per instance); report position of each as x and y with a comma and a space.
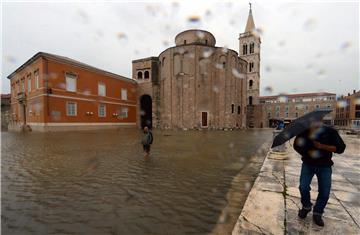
245, 49
232, 108
163, 61
146, 74
250, 100
252, 46
251, 66
250, 84
139, 75
239, 110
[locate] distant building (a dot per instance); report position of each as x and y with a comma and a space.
51, 92
5, 111
348, 111
291, 106
196, 84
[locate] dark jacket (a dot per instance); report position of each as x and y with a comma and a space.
304, 145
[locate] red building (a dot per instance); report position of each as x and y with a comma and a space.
51, 92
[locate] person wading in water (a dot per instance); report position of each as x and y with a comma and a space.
146, 141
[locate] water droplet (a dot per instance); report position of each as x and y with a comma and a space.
224, 50
86, 92
257, 32
83, 16
310, 24
318, 55
231, 145
200, 34
216, 89
357, 101
345, 45
219, 66
190, 55
268, 69
10, 59
207, 52
247, 186
268, 89
281, 43
194, 19
341, 104
300, 141
62, 85
121, 36
237, 73
282, 99
165, 43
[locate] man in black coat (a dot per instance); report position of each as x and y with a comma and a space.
316, 146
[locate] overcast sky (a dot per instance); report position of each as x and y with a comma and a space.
306, 47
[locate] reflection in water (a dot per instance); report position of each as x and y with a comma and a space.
100, 183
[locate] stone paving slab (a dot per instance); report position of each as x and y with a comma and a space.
274, 200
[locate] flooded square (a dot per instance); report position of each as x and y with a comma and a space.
98, 182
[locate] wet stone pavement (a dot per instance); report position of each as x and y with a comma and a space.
274, 200
195, 182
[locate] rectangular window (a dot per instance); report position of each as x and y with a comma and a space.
22, 85
286, 114
124, 112
29, 82
71, 109
101, 89
70, 82
238, 110
36, 77
102, 110
123, 94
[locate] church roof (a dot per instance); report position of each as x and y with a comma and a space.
250, 25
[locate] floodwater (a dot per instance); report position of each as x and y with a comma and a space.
98, 182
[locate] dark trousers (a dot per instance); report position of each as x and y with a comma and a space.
323, 175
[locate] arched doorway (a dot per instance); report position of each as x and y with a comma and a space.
145, 111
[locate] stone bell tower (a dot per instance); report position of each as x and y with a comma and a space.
249, 50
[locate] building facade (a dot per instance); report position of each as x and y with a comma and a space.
348, 111
5, 111
273, 109
196, 84
51, 92
192, 85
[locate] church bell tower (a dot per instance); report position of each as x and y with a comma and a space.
249, 50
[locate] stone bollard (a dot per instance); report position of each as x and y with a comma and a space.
279, 152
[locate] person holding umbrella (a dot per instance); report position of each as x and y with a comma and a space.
316, 143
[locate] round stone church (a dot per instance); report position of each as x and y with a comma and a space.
196, 84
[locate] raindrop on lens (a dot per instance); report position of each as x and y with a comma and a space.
207, 52
237, 73
310, 24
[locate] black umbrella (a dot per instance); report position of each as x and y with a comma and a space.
298, 126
